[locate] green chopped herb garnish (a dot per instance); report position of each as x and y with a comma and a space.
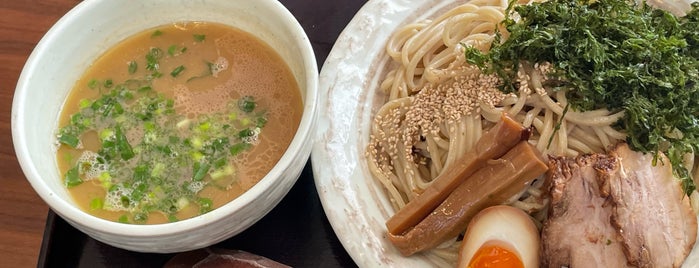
175, 50
205, 205
72, 177
247, 104
157, 33
93, 84
153, 59
175, 72
123, 145
239, 148
69, 139
133, 67
200, 170
172, 218
199, 37
96, 203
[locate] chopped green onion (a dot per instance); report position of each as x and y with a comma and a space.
246, 133
157, 33
225, 171
106, 134
238, 148
93, 84
125, 201
97, 203
205, 126
72, 177
133, 67
157, 170
247, 104
197, 143
182, 203
118, 109
140, 217
84, 103
140, 173
123, 219
219, 163
69, 139
153, 58
200, 170
174, 50
177, 71
123, 144
219, 144
205, 205
199, 37
261, 121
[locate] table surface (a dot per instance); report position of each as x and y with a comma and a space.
23, 215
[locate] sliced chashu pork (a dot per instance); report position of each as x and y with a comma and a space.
602, 205
578, 232
650, 210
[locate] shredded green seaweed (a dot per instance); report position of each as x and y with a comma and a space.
617, 55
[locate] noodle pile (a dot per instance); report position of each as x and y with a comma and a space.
438, 106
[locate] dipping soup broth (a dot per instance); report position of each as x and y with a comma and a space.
176, 121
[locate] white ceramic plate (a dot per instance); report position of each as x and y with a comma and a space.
353, 202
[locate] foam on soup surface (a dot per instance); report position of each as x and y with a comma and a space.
176, 121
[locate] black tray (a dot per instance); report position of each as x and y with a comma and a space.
296, 232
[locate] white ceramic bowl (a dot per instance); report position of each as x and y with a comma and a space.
87, 31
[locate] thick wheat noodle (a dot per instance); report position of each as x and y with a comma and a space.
388, 107
529, 117
476, 128
427, 40
412, 58
611, 132
517, 107
393, 48
575, 117
388, 184
403, 178
433, 146
440, 142
562, 138
463, 126
408, 169
546, 131
452, 144
455, 138
388, 83
579, 145
458, 28
488, 16
586, 134
491, 114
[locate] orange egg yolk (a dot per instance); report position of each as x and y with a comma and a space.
494, 256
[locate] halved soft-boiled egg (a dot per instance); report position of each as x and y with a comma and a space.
498, 237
